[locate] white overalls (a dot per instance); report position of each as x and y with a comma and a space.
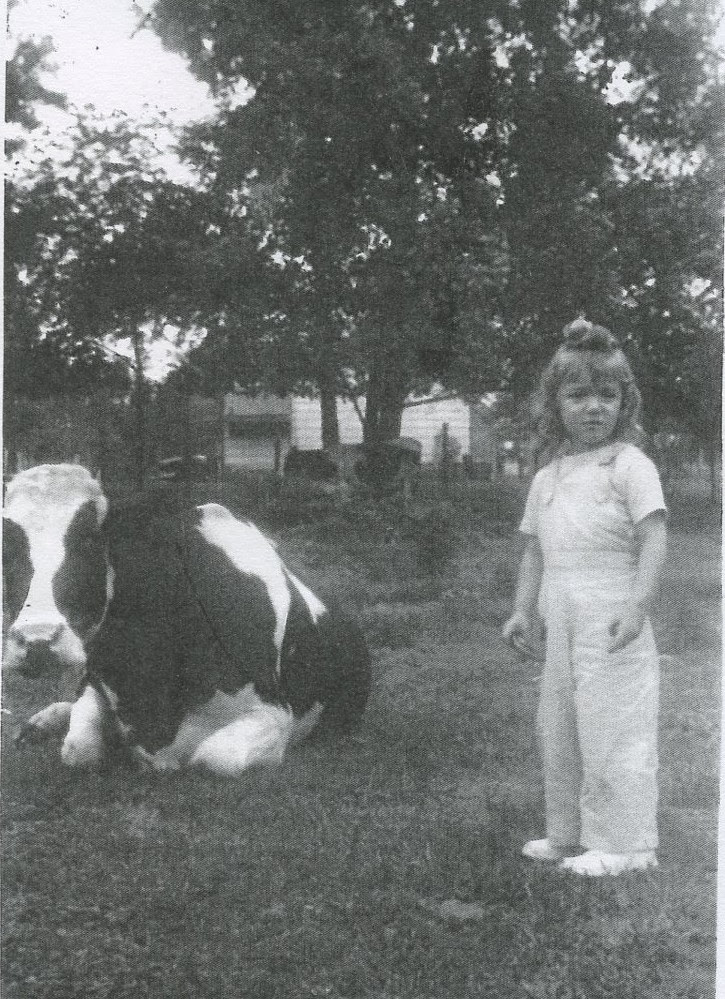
597, 716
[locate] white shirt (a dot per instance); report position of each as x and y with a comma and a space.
583, 508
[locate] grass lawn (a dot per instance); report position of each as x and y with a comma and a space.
388, 866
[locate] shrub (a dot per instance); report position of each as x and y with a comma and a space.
304, 501
435, 538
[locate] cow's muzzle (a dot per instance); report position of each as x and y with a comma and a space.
42, 648
37, 658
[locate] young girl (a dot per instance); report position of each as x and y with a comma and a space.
595, 523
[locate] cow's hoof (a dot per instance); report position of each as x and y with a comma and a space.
30, 735
154, 763
165, 765
51, 721
148, 763
138, 757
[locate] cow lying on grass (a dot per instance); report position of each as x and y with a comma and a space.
192, 645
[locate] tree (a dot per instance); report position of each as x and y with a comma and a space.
40, 357
451, 178
105, 249
23, 87
333, 163
666, 204
412, 193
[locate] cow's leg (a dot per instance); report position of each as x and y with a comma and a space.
193, 730
84, 744
45, 724
201, 722
258, 738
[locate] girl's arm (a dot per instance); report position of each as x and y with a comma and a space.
651, 536
517, 629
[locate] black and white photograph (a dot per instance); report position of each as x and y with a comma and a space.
362, 493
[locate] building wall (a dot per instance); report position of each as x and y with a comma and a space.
307, 423
421, 422
253, 451
254, 425
236, 404
425, 423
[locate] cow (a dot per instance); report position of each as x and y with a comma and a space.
191, 644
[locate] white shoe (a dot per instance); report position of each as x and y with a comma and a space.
595, 863
542, 849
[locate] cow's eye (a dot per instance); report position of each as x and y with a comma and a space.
83, 536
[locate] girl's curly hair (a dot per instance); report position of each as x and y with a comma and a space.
590, 352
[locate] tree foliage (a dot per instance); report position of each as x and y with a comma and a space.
446, 184
43, 353
23, 87
392, 193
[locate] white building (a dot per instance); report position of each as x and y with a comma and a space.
257, 426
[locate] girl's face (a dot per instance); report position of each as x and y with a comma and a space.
589, 411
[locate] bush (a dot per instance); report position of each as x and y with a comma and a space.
304, 501
435, 538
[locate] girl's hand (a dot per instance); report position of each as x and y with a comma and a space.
517, 633
626, 628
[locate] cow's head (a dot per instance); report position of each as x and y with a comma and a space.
57, 580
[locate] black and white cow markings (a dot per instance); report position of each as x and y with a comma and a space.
192, 645
57, 578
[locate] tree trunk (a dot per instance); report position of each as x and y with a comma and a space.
326, 383
187, 443
221, 456
384, 404
712, 456
444, 454
139, 401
